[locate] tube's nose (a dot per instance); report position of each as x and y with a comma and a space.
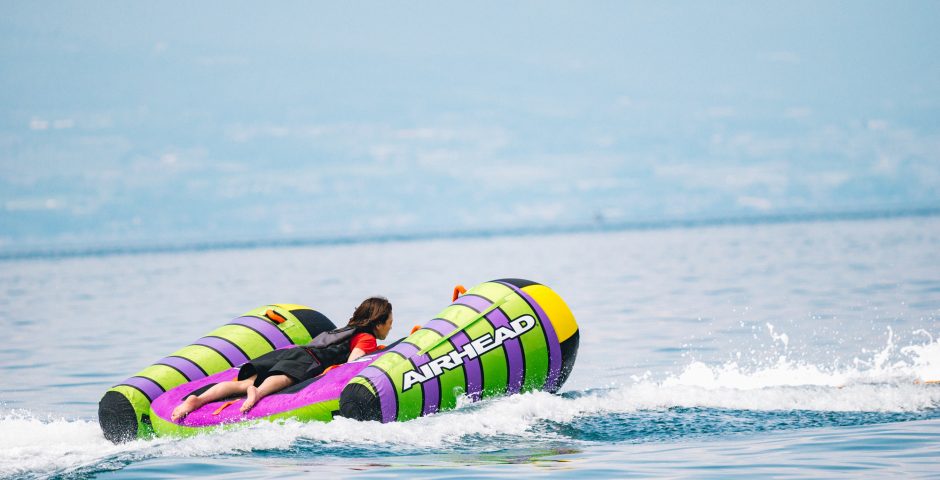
564, 324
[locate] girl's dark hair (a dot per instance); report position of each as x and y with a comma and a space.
371, 312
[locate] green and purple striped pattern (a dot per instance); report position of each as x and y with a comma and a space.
246, 337
530, 362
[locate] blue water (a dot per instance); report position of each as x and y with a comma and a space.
796, 349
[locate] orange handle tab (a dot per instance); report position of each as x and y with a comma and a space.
458, 291
223, 407
274, 316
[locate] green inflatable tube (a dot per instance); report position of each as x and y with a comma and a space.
502, 337
123, 411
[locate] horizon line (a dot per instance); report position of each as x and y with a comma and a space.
597, 226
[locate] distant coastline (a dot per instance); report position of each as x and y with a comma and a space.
67, 251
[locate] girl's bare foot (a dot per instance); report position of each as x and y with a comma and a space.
191, 403
252, 395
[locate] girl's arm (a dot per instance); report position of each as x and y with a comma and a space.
356, 353
364, 343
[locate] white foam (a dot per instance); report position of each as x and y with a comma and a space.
782, 337
925, 359
48, 445
890, 380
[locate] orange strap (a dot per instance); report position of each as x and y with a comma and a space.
274, 316
458, 291
415, 329
224, 405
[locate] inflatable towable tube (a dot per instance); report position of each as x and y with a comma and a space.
124, 411
501, 337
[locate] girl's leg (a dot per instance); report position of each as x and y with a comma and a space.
274, 383
217, 391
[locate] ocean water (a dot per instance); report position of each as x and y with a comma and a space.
797, 350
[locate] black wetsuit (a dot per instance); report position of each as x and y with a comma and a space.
302, 362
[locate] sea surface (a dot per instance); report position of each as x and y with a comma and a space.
788, 350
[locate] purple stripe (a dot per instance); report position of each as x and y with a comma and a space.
554, 346
189, 369
229, 351
150, 388
432, 396
385, 389
431, 391
472, 367
388, 399
406, 350
512, 347
441, 326
266, 329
